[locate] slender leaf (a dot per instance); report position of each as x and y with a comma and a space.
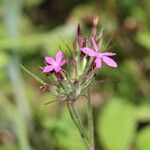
34, 76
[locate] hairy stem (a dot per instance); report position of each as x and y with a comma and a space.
90, 122
77, 121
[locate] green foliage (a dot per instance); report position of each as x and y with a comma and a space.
12, 116
9, 147
3, 59
64, 133
143, 112
50, 40
116, 125
32, 2
143, 139
143, 38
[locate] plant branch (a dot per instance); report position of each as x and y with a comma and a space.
77, 121
90, 122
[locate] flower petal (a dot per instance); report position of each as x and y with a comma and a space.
48, 69
108, 54
50, 60
110, 62
95, 45
88, 51
63, 62
57, 69
59, 56
98, 62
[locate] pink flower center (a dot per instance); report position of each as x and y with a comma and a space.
55, 64
99, 55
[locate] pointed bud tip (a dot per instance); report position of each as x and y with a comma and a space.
95, 20
79, 30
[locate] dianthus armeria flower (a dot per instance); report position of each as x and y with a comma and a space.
54, 64
75, 80
99, 56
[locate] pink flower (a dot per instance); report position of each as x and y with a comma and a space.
99, 57
54, 64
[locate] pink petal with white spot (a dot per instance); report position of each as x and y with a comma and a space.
57, 69
50, 60
95, 45
48, 69
108, 54
88, 51
59, 56
110, 62
98, 62
63, 62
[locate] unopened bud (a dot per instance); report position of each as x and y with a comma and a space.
60, 75
79, 36
74, 62
79, 30
94, 30
99, 37
85, 42
75, 44
95, 21
91, 70
76, 83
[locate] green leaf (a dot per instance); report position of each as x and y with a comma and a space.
116, 125
144, 112
143, 138
34, 76
143, 38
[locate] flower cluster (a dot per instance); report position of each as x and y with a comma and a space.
71, 77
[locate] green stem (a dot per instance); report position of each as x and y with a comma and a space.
90, 122
77, 121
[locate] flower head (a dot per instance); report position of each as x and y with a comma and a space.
70, 83
54, 64
99, 56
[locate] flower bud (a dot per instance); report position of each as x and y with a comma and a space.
94, 30
95, 21
60, 75
85, 42
79, 36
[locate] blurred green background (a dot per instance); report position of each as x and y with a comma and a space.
31, 29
